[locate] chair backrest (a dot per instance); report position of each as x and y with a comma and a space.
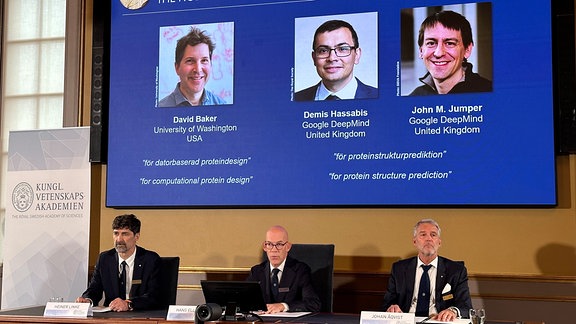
320, 259
168, 281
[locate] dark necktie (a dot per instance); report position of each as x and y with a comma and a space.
123, 281
332, 97
275, 283
423, 304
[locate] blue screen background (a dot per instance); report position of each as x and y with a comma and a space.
266, 157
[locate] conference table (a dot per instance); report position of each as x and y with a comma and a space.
35, 314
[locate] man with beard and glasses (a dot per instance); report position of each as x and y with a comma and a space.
193, 64
446, 295
125, 267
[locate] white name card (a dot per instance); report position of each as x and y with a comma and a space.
66, 309
386, 318
181, 313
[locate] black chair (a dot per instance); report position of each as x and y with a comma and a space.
168, 281
320, 259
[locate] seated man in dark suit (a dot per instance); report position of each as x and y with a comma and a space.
290, 290
335, 51
428, 285
134, 288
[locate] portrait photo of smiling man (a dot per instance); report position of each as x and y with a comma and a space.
446, 46
336, 52
195, 65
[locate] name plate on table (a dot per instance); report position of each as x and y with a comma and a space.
66, 309
181, 313
386, 318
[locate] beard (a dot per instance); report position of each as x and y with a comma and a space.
120, 247
428, 249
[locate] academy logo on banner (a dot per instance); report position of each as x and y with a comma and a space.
48, 196
22, 197
47, 221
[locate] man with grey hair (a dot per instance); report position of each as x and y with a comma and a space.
428, 285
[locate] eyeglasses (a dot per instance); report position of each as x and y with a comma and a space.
340, 51
269, 245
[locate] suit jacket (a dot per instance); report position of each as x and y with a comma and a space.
295, 287
400, 288
145, 289
362, 92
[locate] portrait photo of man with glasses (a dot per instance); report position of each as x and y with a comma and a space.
336, 51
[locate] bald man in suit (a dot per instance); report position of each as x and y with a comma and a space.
294, 291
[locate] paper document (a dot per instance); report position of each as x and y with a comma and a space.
456, 321
285, 314
100, 309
